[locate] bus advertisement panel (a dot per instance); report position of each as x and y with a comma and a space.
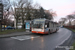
27, 25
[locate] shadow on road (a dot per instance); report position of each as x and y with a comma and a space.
37, 34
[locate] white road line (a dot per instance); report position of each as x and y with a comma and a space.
22, 38
63, 42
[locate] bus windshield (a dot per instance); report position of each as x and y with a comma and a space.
38, 24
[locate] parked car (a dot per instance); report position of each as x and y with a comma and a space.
9, 27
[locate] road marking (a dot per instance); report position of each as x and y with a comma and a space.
64, 41
22, 38
27, 31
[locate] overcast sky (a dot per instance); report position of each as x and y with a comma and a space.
62, 7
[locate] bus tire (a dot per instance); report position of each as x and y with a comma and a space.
49, 32
56, 30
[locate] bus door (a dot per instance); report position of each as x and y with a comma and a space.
46, 26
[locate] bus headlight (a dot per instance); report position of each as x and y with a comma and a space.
32, 29
42, 30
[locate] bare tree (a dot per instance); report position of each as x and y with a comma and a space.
60, 23
48, 15
53, 13
36, 14
36, 6
19, 12
23, 10
6, 12
7, 5
70, 18
63, 20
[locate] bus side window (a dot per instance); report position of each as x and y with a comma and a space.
53, 24
47, 23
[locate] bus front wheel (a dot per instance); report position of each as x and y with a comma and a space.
56, 30
49, 32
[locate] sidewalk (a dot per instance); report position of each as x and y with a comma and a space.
14, 34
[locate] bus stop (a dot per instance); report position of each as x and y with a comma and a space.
28, 25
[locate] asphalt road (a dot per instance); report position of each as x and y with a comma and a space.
34, 41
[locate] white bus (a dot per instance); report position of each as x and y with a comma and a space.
44, 26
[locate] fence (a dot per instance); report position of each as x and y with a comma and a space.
72, 26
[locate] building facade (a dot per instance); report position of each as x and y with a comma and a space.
21, 14
1, 14
1, 10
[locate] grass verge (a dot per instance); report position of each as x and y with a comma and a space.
73, 46
73, 30
74, 41
11, 31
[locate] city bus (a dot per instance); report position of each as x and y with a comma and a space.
44, 26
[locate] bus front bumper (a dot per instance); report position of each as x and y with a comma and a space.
39, 32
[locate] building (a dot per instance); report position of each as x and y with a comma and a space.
21, 12
1, 14
1, 10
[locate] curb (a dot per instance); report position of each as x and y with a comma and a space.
65, 45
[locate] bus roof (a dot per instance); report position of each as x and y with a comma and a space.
46, 19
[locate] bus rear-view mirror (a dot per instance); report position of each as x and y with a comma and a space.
45, 26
